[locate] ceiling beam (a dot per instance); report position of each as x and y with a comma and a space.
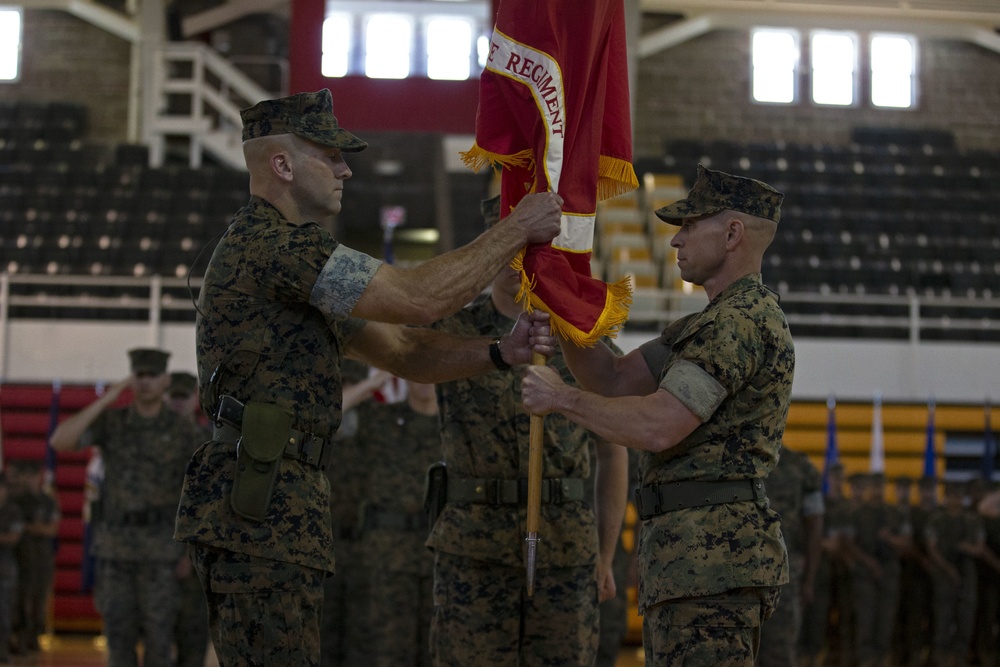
227, 13
101, 16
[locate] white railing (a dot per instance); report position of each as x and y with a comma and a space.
192, 76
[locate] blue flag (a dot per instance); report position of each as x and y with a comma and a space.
929, 467
832, 457
989, 445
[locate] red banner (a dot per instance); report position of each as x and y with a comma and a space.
554, 115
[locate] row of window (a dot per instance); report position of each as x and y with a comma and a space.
835, 67
438, 40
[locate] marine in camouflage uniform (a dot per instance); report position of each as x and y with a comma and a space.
988, 609
954, 537
35, 552
877, 536
707, 402
794, 489
482, 613
400, 441
915, 578
282, 303
191, 630
11, 528
145, 448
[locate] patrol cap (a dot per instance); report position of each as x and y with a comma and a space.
182, 384
716, 191
308, 115
490, 210
147, 360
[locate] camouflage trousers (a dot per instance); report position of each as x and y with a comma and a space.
708, 631
191, 630
875, 602
483, 615
779, 636
260, 612
137, 599
343, 594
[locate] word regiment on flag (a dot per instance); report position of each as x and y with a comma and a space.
554, 115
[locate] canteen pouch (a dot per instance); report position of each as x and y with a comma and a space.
435, 492
259, 450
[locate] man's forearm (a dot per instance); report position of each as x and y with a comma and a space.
611, 496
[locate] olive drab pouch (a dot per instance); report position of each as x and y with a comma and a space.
435, 491
259, 450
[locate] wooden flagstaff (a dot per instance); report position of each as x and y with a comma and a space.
536, 443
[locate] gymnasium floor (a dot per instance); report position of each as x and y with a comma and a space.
69, 650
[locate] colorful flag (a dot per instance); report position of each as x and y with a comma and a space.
989, 444
554, 114
930, 471
832, 458
877, 457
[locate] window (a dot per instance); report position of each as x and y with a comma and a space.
336, 45
449, 48
394, 40
388, 39
834, 63
893, 64
775, 65
10, 44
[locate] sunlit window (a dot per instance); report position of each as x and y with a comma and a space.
893, 66
336, 45
10, 44
834, 60
449, 42
388, 40
775, 65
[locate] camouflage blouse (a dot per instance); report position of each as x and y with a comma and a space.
485, 434
740, 346
144, 461
272, 325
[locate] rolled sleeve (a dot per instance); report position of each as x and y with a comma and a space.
342, 281
697, 390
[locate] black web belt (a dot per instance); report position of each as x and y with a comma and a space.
304, 447
555, 490
659, 499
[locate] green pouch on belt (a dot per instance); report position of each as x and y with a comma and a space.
259, 450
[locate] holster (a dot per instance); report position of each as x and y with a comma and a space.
258, 458
435, 491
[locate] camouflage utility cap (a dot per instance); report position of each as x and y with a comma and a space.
182, 384
308, 115
716, 191
145, 360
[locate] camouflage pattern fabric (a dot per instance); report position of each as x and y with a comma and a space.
791, 480
484, 617
400, 444
259, 337
915, 599
191, 627
954, 603
716, 191
711, 630
484, 434
11, 524
875, 596
144, 462
342, 636
36, 562
308, 115
988, 609
479, 599
261, 340
262, 612
137, 600
740, 339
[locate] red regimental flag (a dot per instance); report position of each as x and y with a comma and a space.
554, 113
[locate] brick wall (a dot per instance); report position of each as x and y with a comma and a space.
65, 59
701, 89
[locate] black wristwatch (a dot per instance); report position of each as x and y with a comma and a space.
497, 357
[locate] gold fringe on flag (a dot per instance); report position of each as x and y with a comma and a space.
476, 158
614, 177
613, 316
